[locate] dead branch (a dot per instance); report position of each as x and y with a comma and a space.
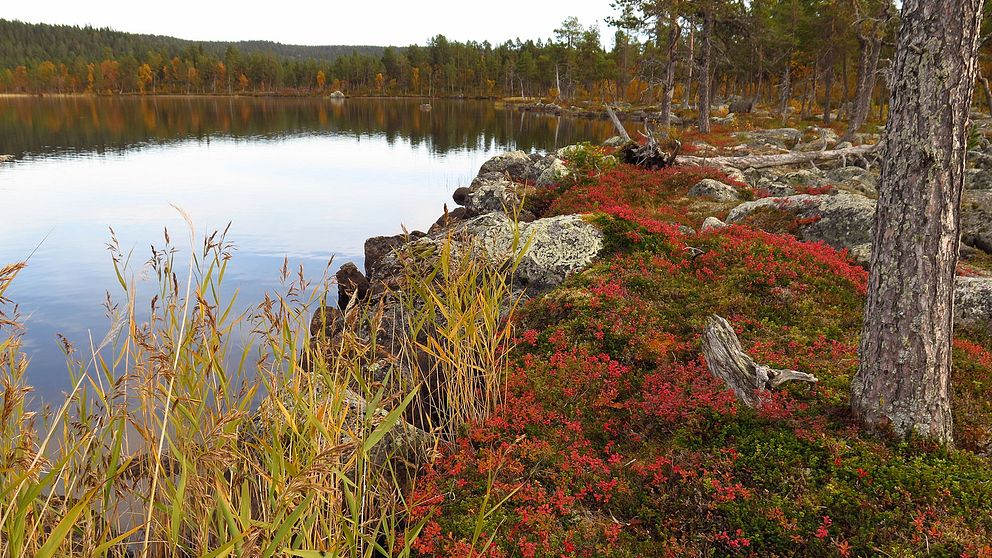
765, 161
728, 362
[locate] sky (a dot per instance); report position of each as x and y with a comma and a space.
354, 22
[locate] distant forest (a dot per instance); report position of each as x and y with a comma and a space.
794, 55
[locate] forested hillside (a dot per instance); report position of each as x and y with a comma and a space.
803, 56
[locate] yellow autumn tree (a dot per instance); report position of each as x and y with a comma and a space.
380, 81
144, 77
321, 80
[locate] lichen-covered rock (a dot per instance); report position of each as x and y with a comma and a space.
714, 190
376, 249
554, 171
855, 179
976, 220
973, 301
842, 220
712, 223
491, 192
549, 249
615, 141
978, 179
517, 164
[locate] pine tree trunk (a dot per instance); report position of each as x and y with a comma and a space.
690, 65
704, 72
871, 48
666, 101
903, 383
828, 86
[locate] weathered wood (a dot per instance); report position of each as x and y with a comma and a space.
728, 362
6, 158
765, 161
621, 131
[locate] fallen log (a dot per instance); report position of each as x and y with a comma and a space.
617, 124
728, 361
784, 159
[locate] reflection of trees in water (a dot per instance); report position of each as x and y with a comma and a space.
37, 126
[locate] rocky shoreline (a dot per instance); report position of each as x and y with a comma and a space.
833, 204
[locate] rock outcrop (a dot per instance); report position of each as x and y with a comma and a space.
842, 220
973, 302
714, 190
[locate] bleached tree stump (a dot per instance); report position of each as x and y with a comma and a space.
728, 361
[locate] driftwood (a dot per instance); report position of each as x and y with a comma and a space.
651, 154
765, 161
728, 361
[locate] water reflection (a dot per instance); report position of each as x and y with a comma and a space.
301, 179
53, 125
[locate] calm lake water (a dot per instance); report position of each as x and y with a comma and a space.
302, 179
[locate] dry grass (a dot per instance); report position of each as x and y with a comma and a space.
180, 438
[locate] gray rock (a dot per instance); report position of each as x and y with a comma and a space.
855, 179
337, 95
517, 164
842, 220
376, 249
804, 177
712, 223
741, 106
978, 179
553, 172
976, 219
615, 141
549, 249
492, 192
6, 158
973, 301
714, 190
844, 145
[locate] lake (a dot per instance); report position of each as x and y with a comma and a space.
298, 179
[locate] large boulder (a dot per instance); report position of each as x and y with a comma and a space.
378, 247
973, 302
714, 190
517, 164
491, 192
741, 106
549, 249
553, 171
842, 220
855, 179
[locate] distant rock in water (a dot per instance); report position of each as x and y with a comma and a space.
337, 95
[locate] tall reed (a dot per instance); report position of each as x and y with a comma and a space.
198, 429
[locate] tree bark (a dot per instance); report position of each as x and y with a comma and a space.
665, 118
903, 383
786, 91
704, 71
689, 66
828, 85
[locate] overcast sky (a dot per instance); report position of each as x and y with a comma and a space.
375, 22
